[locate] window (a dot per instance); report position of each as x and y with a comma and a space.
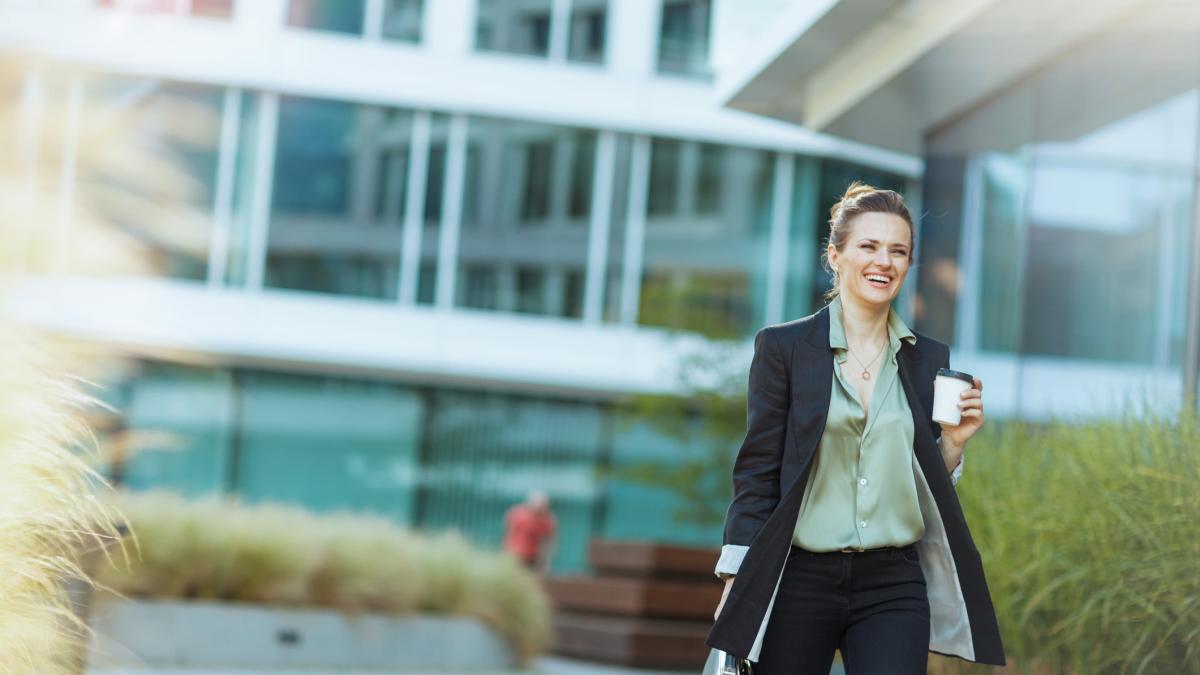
514, 27
664, 176
526, 231
533, 28
583, 168
707, 231
588, 31
338, 16
340, 187
487, 450
684, 37
402, 20
328, 443
186, 418
535, 196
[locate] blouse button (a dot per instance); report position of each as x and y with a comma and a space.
862, 523
862, 481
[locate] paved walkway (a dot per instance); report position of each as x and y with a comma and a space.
549, 665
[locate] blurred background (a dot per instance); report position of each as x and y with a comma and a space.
415, 258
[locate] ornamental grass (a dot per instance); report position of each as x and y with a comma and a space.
1090, 536
50, 522
224, 550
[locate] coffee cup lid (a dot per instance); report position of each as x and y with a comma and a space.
956, 374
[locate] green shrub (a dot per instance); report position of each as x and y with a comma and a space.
219, 549
1089, 537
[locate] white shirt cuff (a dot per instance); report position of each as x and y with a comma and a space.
731, 560
957, 473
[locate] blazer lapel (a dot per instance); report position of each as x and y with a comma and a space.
812, 382
920, 396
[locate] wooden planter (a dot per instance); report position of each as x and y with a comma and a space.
647, 605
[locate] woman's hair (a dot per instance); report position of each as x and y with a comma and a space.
861, 198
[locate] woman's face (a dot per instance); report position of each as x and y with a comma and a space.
872, 265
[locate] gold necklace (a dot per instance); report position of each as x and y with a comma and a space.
866, 375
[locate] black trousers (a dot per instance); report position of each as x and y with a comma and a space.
872, 606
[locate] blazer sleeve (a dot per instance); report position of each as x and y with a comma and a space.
756, 469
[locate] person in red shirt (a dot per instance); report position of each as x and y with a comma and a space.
529, 531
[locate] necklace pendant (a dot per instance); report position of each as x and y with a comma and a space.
866, 375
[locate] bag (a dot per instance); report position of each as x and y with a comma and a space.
723, 663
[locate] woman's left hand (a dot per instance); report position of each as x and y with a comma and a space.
971, 405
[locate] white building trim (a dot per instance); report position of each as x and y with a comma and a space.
312, 333
218, 252
260, 198
426, 76
414, 207
635, 230
598, 228
451, 224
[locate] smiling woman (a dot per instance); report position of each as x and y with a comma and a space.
845, 532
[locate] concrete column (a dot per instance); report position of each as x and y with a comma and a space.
449, 26
218, 252
560, 20
633, 36
414, 208
456, 158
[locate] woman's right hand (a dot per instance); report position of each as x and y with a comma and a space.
724, 594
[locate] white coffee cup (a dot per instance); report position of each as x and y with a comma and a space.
948, 387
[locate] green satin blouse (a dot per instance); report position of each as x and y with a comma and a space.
861, 491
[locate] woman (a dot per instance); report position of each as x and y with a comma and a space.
845, 532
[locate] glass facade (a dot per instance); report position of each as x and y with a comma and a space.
324, 209
524, 242
327, 443
484, 451
1067, 211
338, 200
426, 457
707, 233
640, 510
182, 422
684, 35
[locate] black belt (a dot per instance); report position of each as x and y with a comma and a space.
882, 549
